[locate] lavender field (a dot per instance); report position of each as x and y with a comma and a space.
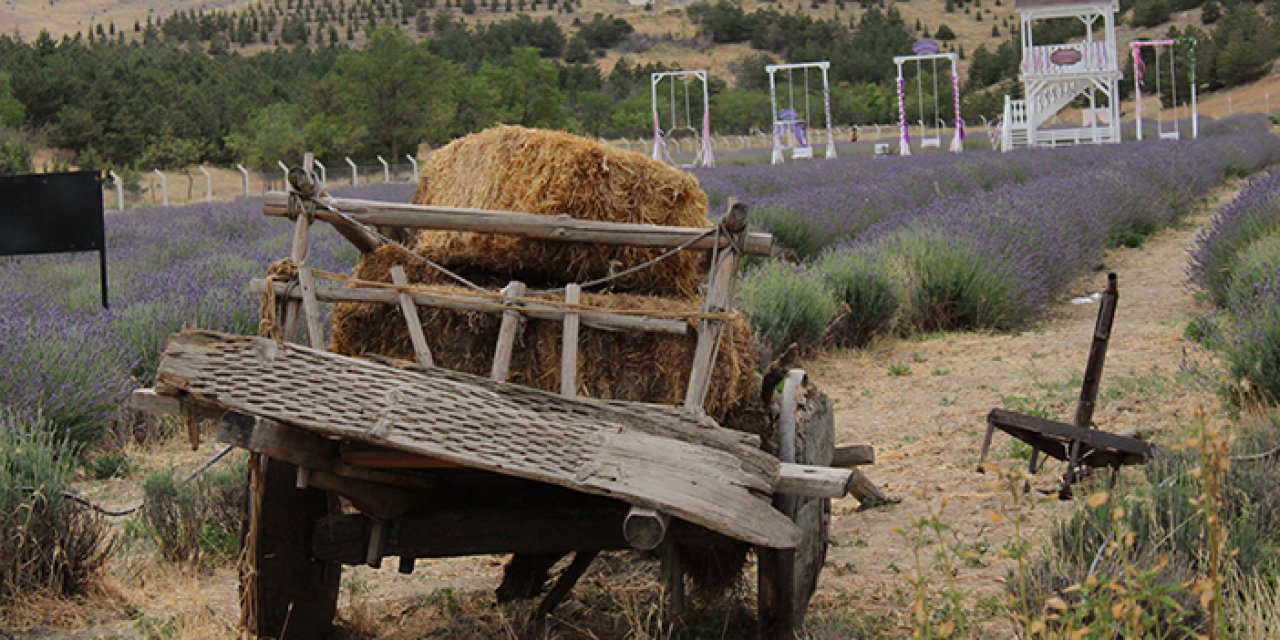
974, 240
937, 241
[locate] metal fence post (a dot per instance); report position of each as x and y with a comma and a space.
164, 186
386, 170
208, 183
324, 178
355, 174
244, 172
284, 186
119, 189
413, 161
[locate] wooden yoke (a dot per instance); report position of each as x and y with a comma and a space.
724, 275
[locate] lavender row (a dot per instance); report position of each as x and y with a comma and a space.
1236, 263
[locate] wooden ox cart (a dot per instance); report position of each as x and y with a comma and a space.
357, 459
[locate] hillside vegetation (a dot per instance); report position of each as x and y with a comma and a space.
368, 77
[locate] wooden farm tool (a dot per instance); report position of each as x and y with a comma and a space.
1080, 444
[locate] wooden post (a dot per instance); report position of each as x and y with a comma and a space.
294, 596
311, 307
420, 348
569, 350
724, 273
507, 335
671, 575
301, 248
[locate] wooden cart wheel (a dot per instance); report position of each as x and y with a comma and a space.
285, 593
788, 578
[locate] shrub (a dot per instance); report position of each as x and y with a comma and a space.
47, 543
1253, 214
1255, 265
787, 303
198, 521
871, 294
953, 285
1251, 347
801, 234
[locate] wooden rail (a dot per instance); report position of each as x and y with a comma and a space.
463, 302
561, 228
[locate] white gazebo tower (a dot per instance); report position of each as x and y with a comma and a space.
1055, 74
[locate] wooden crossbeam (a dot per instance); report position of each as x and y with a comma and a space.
562, 228
603, 320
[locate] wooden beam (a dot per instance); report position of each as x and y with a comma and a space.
365, 456
311, 307
813, 482
449, 532
562, 228
853, 455
410, 311
461, 302
507, 332
862, 488
569, 350
724, 273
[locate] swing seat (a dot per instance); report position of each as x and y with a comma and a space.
931, 142
1169, 135
801, 153
882, 149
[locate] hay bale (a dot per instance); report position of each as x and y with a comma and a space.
551, 173
614, 365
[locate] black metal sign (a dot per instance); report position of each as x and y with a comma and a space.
53, 213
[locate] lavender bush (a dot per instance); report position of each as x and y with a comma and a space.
1253, 214
1236, 262
74, 363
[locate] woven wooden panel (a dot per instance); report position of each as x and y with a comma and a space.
652, 457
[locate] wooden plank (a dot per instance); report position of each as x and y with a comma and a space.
507, 332
461, 302
725, 271
812, 481
569, 350
311, 308
562, 228
416, 336
853, 455
721, 485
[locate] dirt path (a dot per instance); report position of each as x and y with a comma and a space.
927, 425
